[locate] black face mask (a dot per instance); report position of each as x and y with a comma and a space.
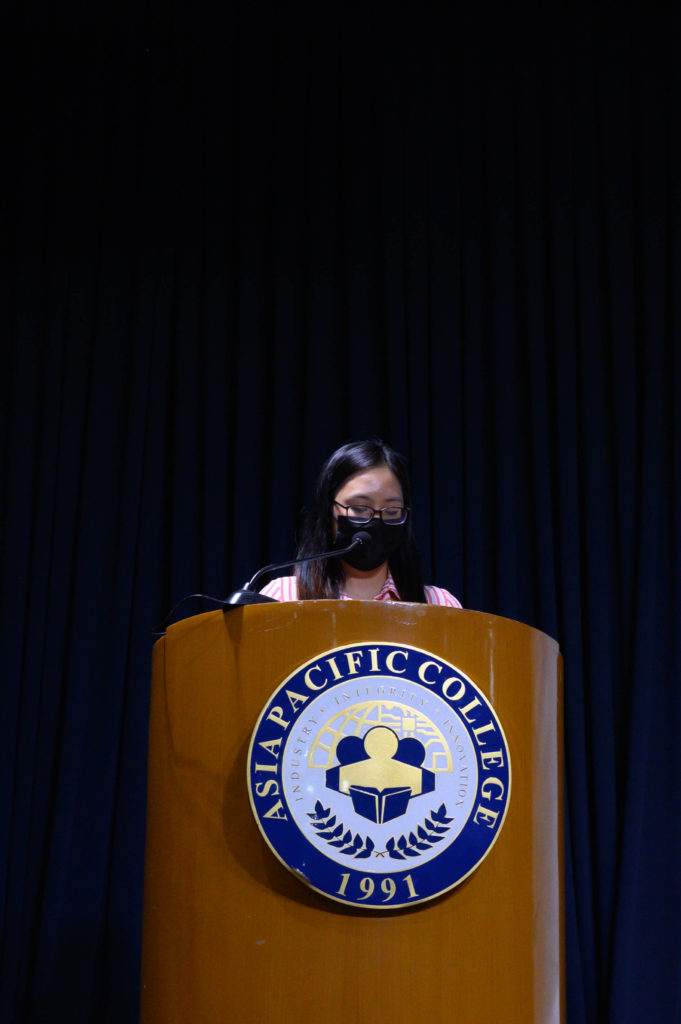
385, 539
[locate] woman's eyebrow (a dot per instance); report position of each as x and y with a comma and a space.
366, 497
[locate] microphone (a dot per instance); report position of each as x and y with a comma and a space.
249, 594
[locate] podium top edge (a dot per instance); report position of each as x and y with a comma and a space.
401, 611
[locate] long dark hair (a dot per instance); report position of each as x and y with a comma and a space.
325, 579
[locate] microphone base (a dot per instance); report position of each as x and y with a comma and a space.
243, 597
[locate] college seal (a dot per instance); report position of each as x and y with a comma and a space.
379, 774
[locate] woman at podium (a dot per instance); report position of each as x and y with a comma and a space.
362, 488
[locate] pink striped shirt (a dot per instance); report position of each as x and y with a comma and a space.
285, 588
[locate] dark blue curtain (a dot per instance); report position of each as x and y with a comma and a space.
231, 242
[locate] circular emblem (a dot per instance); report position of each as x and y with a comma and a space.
379, 775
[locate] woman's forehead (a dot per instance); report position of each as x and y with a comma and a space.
378, 481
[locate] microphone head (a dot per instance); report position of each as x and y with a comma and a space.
361, 537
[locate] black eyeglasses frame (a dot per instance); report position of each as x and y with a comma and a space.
374, 512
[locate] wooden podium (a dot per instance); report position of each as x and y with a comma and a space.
230, 935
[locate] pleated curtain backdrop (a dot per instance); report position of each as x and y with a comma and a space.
232, 241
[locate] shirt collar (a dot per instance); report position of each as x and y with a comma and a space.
388, 589
387, 592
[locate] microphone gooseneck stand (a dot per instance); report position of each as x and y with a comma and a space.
248, 594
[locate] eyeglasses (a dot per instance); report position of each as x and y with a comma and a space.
395, 515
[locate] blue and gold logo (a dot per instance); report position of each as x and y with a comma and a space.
379, 775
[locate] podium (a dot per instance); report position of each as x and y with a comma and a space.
231, 935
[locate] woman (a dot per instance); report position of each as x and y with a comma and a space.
363, 487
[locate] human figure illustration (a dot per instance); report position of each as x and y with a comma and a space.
379, 769
380, 761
